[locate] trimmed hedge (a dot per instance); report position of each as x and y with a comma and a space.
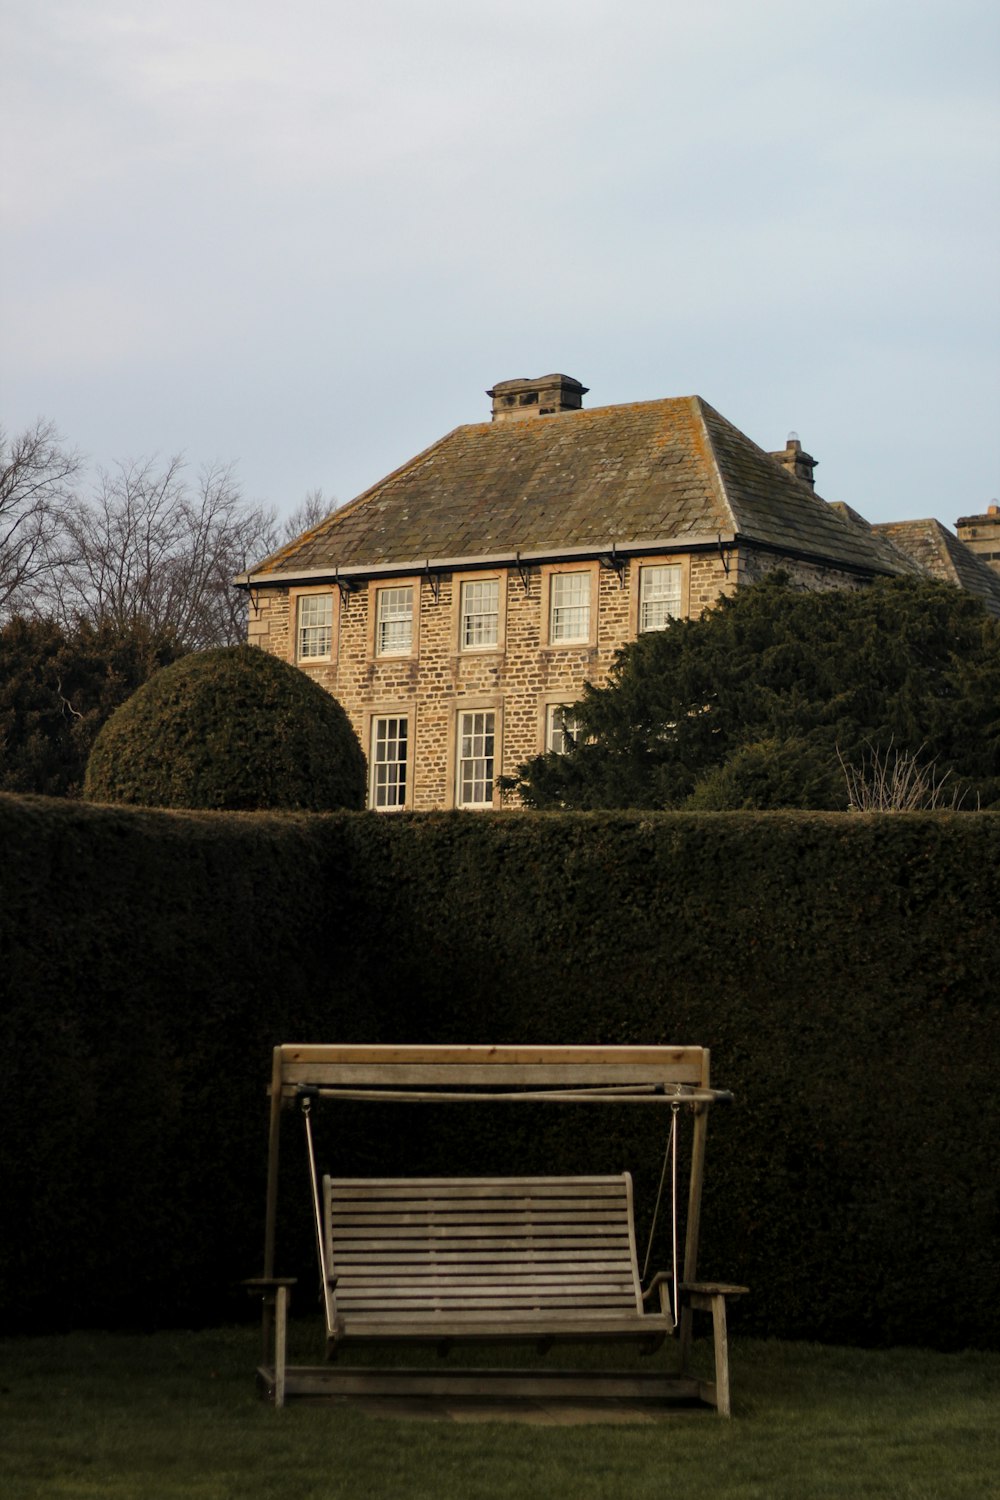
234, 729
841, 968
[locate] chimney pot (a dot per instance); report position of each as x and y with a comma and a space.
796, 461
516, 400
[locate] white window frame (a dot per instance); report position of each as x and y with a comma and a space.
389, 792
474, 619
637, 567
657, 606
559, 580
569, 608
296, 598
310, 634
385, 619
476, 727
557, 727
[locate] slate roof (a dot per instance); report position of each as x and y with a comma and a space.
650, 472
945, 556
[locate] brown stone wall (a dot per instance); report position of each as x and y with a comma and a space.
756, 564
712, 574
519, 680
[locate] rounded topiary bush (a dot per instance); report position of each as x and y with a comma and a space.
233, 729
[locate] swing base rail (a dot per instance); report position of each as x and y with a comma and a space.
319, 1383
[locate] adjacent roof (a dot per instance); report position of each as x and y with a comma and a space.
945, 556
654, 472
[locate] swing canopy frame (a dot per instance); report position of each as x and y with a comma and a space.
394, 1253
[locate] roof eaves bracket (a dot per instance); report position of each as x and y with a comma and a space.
617, 563
434, 579
523, 572
725, 552
346, 587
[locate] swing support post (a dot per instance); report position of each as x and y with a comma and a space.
273, 1290
273, 1145
693, 1229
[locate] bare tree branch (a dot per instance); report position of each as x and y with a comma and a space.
313, 509
151, 547
36, 477
147, 545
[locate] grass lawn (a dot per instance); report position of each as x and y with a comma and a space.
169, 1415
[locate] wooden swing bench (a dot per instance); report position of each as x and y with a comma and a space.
436, 1261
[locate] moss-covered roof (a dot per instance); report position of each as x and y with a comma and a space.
649, 472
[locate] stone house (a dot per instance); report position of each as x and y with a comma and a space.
458, 606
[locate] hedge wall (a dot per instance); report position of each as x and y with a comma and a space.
841, 969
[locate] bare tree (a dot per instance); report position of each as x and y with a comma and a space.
313, 509
123, 542
151, 547
36, 477
147, 545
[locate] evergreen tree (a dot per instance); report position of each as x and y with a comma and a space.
57, 688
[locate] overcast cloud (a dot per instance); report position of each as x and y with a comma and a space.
306, 237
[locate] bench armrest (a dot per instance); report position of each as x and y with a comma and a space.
260, 1284
714, 1289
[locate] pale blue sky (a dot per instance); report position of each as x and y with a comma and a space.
307, 236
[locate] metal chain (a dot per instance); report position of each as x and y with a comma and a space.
317, 1217
671, 1142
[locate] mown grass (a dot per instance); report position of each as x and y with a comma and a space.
170, 1415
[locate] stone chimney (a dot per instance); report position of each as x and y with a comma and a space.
981, 534
796, 461
513, 400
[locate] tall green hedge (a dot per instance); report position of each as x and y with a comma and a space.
841, 969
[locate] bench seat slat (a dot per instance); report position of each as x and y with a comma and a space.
498, 1306
436, 1234
589, 1295
514, 1276
384, 1188
558, 1322
496, 1296
433, 1290
542, 1242
400, 1257
514, 1213
524, 1225
492, 1203
556, 1318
